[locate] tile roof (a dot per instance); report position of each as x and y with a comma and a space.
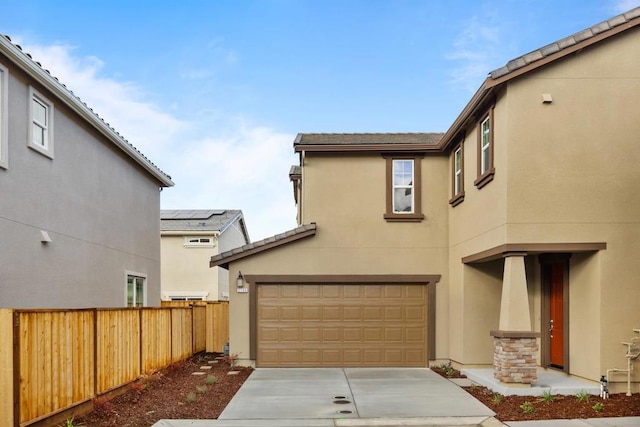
532, 60
198, 220
366, 138
223, 259
25, 61
565, 43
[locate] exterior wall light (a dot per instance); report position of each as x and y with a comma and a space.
240, 284
240, 280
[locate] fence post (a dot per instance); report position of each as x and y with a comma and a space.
7, 372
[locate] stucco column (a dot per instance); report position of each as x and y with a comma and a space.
514, 306
515, 345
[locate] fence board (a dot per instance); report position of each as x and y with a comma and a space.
217, 326
156, 339
181, 333
67, 357
51, 346
199, 328
118, 346
6, 367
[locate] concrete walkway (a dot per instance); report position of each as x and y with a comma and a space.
347, 397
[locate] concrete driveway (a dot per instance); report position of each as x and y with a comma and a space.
347, 397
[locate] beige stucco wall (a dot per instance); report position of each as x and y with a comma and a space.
352, 236
565, 172
186, 268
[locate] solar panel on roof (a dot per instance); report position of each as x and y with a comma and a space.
190, 214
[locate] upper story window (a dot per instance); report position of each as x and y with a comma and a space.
457, 178
136, 290
40, 123
403, 186
198, 241
4, 110
403, 189
485, 150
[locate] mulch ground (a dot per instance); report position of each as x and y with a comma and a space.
173, 393
528, 408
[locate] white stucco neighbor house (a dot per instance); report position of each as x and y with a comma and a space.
189, 239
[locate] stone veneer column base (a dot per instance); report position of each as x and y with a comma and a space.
514, 357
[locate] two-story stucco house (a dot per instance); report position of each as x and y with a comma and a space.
511, 237
79, 205
188, 239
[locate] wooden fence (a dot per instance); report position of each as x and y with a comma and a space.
52, 361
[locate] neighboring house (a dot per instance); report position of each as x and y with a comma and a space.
79, 205
515, 234
189, 239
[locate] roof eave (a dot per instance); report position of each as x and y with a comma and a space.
41, 76
239, 253
332, 148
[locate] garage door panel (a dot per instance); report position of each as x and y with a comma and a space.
289, 313
341, 325
311, 334
311, 313
373, 313
352, 313
393, 313
352, 335
332, 313
415, 313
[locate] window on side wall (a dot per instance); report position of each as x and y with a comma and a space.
136, 290
4, 131
457, 175
198, 241
40, 131
403, 189
485, 150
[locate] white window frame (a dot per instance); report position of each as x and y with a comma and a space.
135, 275
4, 120
47, 147
411, 186
190, 241
457, 171
485, 145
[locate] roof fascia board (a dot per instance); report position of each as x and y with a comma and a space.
365, 147
54, 86
490, 86
562, 53
224, 262
479, 98
229, 222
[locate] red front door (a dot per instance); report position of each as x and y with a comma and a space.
556, 316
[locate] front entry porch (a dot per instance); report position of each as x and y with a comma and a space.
548, 380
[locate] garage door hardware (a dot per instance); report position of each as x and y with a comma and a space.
339, 397
345, 412
341, 401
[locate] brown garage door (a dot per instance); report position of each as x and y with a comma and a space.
341, 325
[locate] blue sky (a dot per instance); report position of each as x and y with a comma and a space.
214, 92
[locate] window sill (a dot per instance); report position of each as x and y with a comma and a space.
484, 179
457, 199
403, 217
